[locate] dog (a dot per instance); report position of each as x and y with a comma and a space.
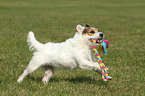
74, 53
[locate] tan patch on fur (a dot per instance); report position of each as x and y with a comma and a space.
89, 31
87, 25
96, 30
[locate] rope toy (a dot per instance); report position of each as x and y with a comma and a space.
103, 68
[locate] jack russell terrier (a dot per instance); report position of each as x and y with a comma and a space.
74, 53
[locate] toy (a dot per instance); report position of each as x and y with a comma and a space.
103, 68
103, 46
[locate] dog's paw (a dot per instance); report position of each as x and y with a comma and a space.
107, 68
109, 78
19, 80
45, 81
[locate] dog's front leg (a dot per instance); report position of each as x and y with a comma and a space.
90, 65
93, 56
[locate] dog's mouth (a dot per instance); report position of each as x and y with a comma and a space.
98, 41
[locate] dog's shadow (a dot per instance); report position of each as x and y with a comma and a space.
81, 79
86, 79
75, 80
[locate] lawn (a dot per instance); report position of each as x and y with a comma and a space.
122, 22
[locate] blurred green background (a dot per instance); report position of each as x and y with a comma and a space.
122, 22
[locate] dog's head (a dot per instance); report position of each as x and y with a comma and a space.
90, 33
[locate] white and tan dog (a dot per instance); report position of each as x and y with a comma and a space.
74, 53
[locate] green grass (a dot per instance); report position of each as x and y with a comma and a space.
122, 22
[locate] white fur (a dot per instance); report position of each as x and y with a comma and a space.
73, 53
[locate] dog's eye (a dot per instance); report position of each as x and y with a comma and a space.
92, 32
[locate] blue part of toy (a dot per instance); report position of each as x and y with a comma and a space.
100, 59
104, 46
96, 52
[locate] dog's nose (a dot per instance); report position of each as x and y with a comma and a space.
101, 35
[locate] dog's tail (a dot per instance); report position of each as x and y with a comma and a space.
33, 43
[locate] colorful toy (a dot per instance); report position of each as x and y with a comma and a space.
104, 44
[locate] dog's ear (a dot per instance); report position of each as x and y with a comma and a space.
80, 28
87, 25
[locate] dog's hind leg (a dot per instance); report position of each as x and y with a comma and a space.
48, 73
33, 65
28, 70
